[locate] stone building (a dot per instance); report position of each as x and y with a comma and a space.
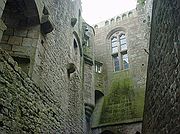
121, 49
60, 75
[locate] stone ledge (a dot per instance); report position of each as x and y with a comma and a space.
130, 121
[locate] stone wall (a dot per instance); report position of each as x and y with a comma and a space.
162, 102
51, 98
24, 107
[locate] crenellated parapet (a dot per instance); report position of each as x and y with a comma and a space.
121, 17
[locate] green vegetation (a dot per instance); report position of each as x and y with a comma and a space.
141, 1
123, 104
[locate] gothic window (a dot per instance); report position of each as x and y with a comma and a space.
119, 51
123, 43
114, 45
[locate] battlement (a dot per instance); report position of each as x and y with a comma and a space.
117, 18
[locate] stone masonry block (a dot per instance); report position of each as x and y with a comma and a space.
14, 40
33, 34
6, 47
20, 32
29, 42
21, 50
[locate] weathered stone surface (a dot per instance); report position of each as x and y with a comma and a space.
46, 99
26, 110
28, 42
14, 40
162, 101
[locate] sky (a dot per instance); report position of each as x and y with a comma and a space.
95, 11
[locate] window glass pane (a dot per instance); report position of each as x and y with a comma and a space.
123, 47
125, 61
123, 41
122, 36
114, 39
116, 64
114, 44
115, 49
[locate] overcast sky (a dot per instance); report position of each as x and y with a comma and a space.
95, 11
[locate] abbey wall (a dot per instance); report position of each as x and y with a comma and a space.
121, 45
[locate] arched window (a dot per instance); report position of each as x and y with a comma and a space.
119, 51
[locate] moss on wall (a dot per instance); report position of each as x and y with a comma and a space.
87, 50
124, 103
141, 2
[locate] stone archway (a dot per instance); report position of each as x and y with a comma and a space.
20, 13
20, 37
